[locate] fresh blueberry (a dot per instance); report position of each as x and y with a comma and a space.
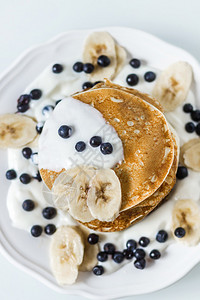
144, 241
109, 248
131, 244
197, 129
35, 94
102, 256
38, 177
118, 257
78, 67
161, 236
28, 205
140, 264
57, 68
132, 79
65, 131
182, 172
149, 76
11, 174
87, 85
190, 127
49, 212
106, 148
95, 141
36, 230
103, 61
195, 115
34, 158
26, 152
50, 229
24, 99
98, 270
25, 178
80, 146
22, 107
187, 108
47, 110
179, 232
93, 238
39, 127
128, 253
139, 253
58, 101
155, 254
135, 63
88, 68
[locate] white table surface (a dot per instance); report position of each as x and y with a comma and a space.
24, 23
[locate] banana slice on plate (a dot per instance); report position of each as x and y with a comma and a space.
173, 85
96, 44
186, 214
104, 195
190, 154
66, 254
16, 130
121, 58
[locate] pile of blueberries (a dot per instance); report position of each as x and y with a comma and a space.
190, 127
133, 79
131, 251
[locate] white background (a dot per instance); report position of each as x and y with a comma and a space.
24, 23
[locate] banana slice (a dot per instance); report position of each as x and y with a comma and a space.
104, 196
172, 86
16, 130
121, 58
190, 154
66, 254
100, 43
186, 214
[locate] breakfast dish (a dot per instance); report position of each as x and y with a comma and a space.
104, 156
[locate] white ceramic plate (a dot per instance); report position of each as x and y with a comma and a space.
31, 254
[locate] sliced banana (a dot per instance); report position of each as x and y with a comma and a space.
66, 254
186, 214
104, 196
190, 154
16, 130
172, 86
96, 44
121, 58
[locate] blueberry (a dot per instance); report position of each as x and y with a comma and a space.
87, 85
190, 127
49, 212
24, 99
98, 270
22, 107
58, 101
131, 244
80, 146
128, 253
50, 229
35, 94
95, 141
135, 63
36, 230
118, 257
102, 256
57, 68
65, 131
78, 67
182, 172
106, 148
88, 68
28, 205
103, 61
187, 108
11, 174
39, 127
155, 254
161, 236
179, 232
38, 177
140, 264
26, 152
144, 241
34, 158
109, 248
139, 253
197, 129
25, 178
195, 115
149, 76
93, 239
47, 110
132, 79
